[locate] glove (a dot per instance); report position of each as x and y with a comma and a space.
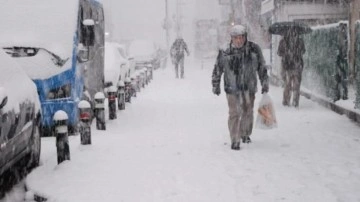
216, 90
265, 88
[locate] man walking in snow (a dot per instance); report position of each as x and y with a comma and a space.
177, 55
240, 63
291, 49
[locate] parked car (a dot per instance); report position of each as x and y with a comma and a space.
145, 52
116, 66
129, 60
20, 113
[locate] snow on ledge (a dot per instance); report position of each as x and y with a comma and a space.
329, 25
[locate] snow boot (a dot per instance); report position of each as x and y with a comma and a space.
246, 139
235, 146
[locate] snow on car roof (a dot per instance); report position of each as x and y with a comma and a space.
39, 23
113, 62
15, 84
41, 65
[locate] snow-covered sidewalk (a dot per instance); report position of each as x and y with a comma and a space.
172, 144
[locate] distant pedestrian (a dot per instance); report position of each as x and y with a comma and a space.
291, 49
240, 63
177, 53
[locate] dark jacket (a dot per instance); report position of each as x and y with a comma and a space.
291, 51
240, 66
178, 48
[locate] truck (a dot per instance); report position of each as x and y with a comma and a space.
60, 45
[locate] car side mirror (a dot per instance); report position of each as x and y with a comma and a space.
3, 102
83, 54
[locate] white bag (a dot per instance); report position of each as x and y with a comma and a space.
266, 118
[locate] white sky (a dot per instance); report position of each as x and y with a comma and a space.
136, 18
21, 21
143, 19
172, 144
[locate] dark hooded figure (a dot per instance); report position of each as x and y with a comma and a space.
240, 63
177, 51
291, 50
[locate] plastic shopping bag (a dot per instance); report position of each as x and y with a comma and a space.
266, 118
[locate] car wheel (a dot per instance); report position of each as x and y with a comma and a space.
34, 157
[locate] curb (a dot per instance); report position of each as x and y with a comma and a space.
333, 106
354, 116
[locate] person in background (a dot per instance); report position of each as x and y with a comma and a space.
240, 63
291, 49
177, 53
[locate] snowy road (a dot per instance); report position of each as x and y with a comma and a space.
172, 144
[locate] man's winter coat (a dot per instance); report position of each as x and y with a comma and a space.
177, 49
240, 66
291, 49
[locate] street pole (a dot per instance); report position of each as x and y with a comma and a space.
354, 15
232, 7
178, 18
167, 26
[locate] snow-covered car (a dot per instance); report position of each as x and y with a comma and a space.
116, 66
130, 62
145, 52
20, 113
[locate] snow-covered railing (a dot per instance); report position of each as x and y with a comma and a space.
325, 61
357, 65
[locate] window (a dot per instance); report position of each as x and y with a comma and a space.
61, 92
